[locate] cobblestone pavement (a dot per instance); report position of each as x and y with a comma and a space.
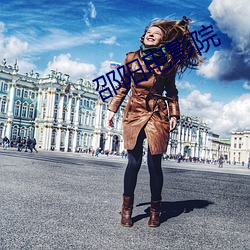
55, 200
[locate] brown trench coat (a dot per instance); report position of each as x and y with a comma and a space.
146, 108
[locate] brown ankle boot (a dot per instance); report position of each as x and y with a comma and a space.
155, 213
126, 213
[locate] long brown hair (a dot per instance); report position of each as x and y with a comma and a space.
179, 30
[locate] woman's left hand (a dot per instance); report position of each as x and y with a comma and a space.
173, 123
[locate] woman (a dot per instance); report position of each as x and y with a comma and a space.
147, 115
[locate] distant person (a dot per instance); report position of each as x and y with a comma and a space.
29, 144
221, 160
6, 142
34, 145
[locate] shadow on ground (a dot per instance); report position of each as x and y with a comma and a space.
174, 209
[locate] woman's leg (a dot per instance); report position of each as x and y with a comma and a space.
130, 179
134, 164
156, 175
156, 183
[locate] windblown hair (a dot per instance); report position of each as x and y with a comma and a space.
178, 30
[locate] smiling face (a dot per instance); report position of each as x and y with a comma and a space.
153, 36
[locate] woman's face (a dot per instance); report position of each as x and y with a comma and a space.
153, 36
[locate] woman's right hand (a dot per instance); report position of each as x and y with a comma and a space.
110, 118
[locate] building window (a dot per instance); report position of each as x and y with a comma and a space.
14, 133
18, 92
86, 103
65, 99
72, 116
64, 115
3, 106
32, 95
239, 145
31, 113
17, 109
81, 102
57, 97
73, 101
80, 118
92, 120
5, 87
235, 145
26, 94
55, 113
24, 110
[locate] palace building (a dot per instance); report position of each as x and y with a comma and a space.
240, 147
68, 116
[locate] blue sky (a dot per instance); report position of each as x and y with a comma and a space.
80, 37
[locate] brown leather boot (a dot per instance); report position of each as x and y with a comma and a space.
155, 213
126, 213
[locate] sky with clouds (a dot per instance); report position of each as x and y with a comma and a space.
80, 37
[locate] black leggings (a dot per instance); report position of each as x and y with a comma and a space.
133, 167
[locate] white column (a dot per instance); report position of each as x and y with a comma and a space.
108, 144
66, 143
60, 121
96, 139
68, 122
10, 104
39, 103
76, 122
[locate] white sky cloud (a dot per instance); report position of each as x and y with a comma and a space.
74, 69
184, 85
89, 13
246, 85
232, 19
221, 118
110, 41
105, 68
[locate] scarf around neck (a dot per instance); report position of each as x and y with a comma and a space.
148, 51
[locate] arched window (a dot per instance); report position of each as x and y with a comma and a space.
31, 111
72, 115
17, 109
5, 87
14, 133
18, 92
26, 94
24, 110
3, 104
80, 118
93, 120
57, 96
65, 99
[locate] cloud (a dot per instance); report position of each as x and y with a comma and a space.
12, 48
109, 41
74, 69
184, 85
2, 27
232, 18
246, 85
89, 13
105, 68
220, 117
